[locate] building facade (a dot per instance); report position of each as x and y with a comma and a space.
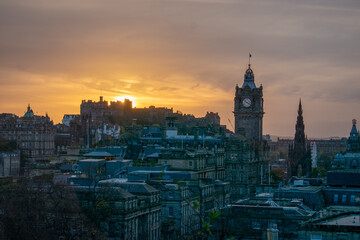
249, 109
34, 135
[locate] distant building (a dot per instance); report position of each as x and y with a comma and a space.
9, 163
245, 169
346, 166
67, 118
343, 192
314, 155
178, 216
62, 138
312, 196
124, 215
344, 226
33, 134
149, 206
261, 217
249, 109
198, 161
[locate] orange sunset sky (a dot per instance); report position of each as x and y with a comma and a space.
186, 54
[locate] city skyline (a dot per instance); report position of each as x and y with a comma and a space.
188, 55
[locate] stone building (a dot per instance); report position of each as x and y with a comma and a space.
130, 211
343, 226
244, 168
33, 134
178, 217
10, 163
187, 203
149, 205
187, 160
343, 191
350, 159
249, 109
261, 218
245, 152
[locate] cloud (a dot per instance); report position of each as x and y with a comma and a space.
186, 54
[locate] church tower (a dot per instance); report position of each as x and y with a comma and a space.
248, 109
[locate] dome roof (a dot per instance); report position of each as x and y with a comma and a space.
29, 112
249, 78
249, 74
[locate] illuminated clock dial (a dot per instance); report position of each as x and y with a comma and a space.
246, 102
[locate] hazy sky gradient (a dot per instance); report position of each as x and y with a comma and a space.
185, 54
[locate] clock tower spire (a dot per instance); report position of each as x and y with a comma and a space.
248, 108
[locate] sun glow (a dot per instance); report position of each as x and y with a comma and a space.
122, 99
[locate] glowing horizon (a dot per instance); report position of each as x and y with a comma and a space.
176, 54
122, 99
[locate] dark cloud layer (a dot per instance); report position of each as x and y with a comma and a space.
186, 54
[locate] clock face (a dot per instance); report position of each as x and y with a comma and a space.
246, 102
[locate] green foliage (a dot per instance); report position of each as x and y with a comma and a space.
160, 176
277, 175
325, 159
318, 172
214, 215
208, 220
179, 183
196, 205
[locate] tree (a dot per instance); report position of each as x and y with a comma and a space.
277, 175
325, 160
38, 209
318, 172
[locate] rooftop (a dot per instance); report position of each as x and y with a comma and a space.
351, 220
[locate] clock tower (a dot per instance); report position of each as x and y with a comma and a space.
248, 109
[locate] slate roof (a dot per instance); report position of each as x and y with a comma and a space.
133, 187
98, 154
114, 192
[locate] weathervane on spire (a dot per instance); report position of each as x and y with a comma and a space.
249, 58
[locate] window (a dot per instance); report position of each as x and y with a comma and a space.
272, 224
316, 236
343, 198
352, 198
190, 163
171, 195
256, 224
171, 211
342, 237
336, 198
